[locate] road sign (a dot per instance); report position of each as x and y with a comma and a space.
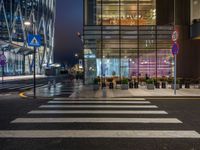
175, 36
34, 40
2, 60
175, 49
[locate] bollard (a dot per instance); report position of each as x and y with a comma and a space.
49, 85
104, 94
54, 83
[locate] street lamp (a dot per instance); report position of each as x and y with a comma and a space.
28, 23
76, 55
82, 40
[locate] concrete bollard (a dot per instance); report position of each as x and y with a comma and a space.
49, 85
54, 83
104, 94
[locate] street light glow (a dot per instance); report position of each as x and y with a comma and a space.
27, 23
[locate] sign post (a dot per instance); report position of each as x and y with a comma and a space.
175, 49
34, 41
2, 64
80, 63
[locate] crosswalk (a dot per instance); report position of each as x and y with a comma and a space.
99, 118
21, 85
41, 84
18, 87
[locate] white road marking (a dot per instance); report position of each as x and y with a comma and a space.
99, 102
96, 120
100, 134
60, 93
94, 112
98, 106
104, 99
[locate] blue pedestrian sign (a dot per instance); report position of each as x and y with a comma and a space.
34, 40
175, 49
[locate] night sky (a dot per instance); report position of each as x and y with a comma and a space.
69, 21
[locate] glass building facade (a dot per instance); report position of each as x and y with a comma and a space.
123, 38
13, 34
195, 11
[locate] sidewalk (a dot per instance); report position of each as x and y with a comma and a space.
15, 78
87, 91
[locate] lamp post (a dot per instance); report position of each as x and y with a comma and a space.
77, 59
78, 34
175, 55
28, 23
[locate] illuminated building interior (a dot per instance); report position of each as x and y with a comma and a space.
122, 38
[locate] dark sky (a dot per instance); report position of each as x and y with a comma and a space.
69, 21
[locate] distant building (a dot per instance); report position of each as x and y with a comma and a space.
132, 38
13, 34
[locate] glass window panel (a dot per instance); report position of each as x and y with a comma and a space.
195, 11
147, 12
117, 43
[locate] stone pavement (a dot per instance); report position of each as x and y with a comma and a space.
87, 91
60, 89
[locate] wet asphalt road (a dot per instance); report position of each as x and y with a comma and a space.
12, 107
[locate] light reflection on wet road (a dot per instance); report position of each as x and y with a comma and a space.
61, 89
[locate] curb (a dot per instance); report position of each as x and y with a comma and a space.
24, 95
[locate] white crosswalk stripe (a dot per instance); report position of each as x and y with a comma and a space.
98, 106
99, 102
96, 120
99, 134
103, 111
100, 99
96, 112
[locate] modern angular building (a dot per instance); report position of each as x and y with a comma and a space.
13, 34
132, 38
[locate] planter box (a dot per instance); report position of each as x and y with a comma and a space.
124, 86
131, 85
177, 86
164, 85
95, 87
157, 85
187, 85
136, 85
150, 86
111, 86
103, 85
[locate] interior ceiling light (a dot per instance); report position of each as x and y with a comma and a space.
195, 2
